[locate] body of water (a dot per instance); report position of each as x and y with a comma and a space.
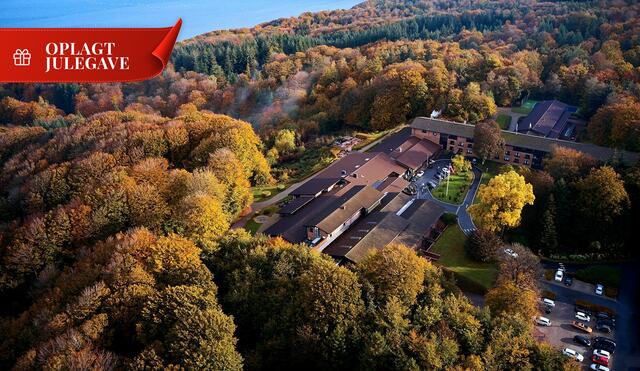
199, 16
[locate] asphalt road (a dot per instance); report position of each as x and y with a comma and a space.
464, 219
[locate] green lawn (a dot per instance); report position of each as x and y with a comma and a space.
504, 121
262, 193
526, 107
453, 257
458, 187
252, 226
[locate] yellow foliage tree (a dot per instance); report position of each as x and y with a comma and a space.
501, 201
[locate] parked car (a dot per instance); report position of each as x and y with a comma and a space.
599, 289
431, 184
606, 322
582, 309
438, 176
600, 360
445, 170
607, 344
603, 328
548, 302
559, 275
561, 267
511, 253
573, 354
605, 315
597, 367
602, 353
581, 326
420, 174
568, 281
583, 317
582, 340
543, 321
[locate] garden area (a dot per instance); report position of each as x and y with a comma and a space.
263, 193
459, 184
470, 275
503, 121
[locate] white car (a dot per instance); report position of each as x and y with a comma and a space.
420, 173
559, 275
511, 253
573, 354
543, 321
446, 170
599, 289
582, 317
548, 302
602, 353
597, 367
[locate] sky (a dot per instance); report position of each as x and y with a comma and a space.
198, 16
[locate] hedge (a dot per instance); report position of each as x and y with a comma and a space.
595, 307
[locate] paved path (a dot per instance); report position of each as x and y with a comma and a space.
464, 219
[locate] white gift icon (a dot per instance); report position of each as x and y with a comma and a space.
22, 57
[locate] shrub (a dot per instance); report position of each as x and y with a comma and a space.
265, 194
281, 187
602, 274
548, 274
449, 218
611, 292
595, 307
549, 294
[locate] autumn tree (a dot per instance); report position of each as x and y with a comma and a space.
507, 298
617, 124
483, 245
568, 163
487, 140
501, 201
522, 268
460, 163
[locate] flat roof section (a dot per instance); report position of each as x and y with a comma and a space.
294, 205
328, 177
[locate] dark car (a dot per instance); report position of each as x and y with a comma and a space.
568, 281
606, 322
604, 340
582, 340
604, 346
605, 315
603, 328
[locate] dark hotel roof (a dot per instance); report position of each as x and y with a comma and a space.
548, 118
531, 142
414, 156
332, 174
332, 217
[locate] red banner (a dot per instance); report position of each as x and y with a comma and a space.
84, 54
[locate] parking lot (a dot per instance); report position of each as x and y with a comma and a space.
561, 332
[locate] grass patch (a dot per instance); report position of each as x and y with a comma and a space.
603, 274
262, 193
489, 170
453, 257
314, 159
252, 226
504, 121
458, 186
525, 108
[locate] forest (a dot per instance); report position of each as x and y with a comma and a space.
116, 200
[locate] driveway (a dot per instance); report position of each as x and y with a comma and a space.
464, 219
